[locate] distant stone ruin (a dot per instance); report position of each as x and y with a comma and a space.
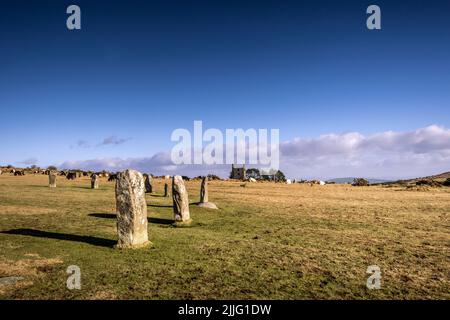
237, 173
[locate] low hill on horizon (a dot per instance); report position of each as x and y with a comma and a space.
441, 177
346, 180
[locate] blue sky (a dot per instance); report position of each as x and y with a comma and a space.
137, 70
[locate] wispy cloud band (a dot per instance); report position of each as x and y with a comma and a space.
387, 154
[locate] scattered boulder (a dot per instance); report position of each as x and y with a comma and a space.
10, 280
428, 182
360, 182
213, 177
71, 176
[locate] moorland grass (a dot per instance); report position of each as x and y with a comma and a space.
266, 241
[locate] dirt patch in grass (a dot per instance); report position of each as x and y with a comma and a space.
27, 268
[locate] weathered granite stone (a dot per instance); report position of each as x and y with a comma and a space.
94, 181
166, 189
10, 280
204, 190
148, 183
204, 196
52, 179
209, 205
180, 201
131, 210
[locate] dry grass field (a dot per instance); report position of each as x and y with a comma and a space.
267, 241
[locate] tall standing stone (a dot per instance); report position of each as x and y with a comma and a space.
94, 181
180, 201
166, 189
148, 183
204, 195
204, 190
131, 210
52, 179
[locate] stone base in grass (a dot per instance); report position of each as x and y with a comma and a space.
137, 246
209, 205
186, 223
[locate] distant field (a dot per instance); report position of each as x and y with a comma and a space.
267, 241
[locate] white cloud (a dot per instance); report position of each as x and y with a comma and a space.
390, 154
113, 140
29, 161
383, 155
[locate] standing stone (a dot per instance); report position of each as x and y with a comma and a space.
204, 190
148, 183
204, 195
180, 201
52, 179
131, 210
166, 189
94, 181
